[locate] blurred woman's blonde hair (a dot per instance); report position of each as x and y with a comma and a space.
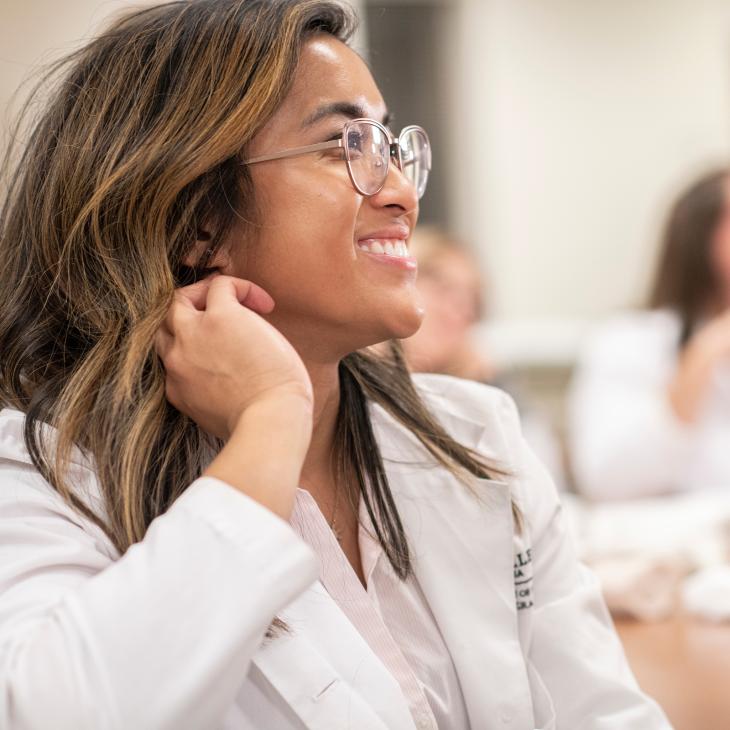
430, 242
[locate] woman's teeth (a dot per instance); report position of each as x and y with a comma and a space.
394, 247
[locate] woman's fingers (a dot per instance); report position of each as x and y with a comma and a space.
218, 289
195, 295
257, 299
224, 290
220, 357
216, 292
186, 301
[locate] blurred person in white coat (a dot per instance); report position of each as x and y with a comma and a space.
650, 400
217, 508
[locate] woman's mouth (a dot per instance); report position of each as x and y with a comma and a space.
395, 247
391, 251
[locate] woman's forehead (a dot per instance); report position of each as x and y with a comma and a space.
332, 79
332, 83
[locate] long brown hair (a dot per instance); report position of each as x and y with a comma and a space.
684, 279
141, 142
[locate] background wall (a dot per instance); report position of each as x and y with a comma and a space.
35, 32
582, 118
410, 61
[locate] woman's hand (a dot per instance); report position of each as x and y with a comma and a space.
221, 357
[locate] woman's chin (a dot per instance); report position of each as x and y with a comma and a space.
405, 325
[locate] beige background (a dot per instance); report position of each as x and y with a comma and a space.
588, 117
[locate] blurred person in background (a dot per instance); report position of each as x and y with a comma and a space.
452, 287
649, 407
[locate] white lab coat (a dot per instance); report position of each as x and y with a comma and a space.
625, 440
170, 636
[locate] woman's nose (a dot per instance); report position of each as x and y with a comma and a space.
397, 190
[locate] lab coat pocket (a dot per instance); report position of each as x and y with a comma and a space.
542, 703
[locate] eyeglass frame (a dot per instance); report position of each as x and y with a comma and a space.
394, 151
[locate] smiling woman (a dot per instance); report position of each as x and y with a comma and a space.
218, 506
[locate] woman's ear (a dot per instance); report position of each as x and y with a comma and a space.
199, 255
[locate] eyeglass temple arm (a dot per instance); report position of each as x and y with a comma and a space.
295, 151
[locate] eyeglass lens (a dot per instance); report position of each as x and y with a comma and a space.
368, 152
415, 158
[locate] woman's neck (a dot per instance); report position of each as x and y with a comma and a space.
317, 466
318, 476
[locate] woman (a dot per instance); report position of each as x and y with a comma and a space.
217, 509
650, 403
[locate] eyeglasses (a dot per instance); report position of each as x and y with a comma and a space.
368, 147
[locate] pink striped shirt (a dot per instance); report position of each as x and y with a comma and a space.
391, 615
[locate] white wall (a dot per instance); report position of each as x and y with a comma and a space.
35, 32
582, 117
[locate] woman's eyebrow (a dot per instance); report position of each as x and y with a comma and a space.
340, 108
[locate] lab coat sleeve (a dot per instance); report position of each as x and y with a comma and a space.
573, 645
625, 440
160, 638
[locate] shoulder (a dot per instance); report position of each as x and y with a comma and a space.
486, 419
458, 402
24, 490
480, 417
18, 474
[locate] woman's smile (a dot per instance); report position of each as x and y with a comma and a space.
389, 246
388, 251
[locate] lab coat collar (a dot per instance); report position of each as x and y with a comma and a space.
462, 544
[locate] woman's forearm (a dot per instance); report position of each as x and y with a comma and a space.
161, 638
264, 455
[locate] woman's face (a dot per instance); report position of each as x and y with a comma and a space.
332, 297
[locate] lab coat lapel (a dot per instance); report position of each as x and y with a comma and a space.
337, 682
462, 549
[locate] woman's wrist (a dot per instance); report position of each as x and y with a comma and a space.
264, 454
273, 405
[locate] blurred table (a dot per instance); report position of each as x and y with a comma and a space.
684, 664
